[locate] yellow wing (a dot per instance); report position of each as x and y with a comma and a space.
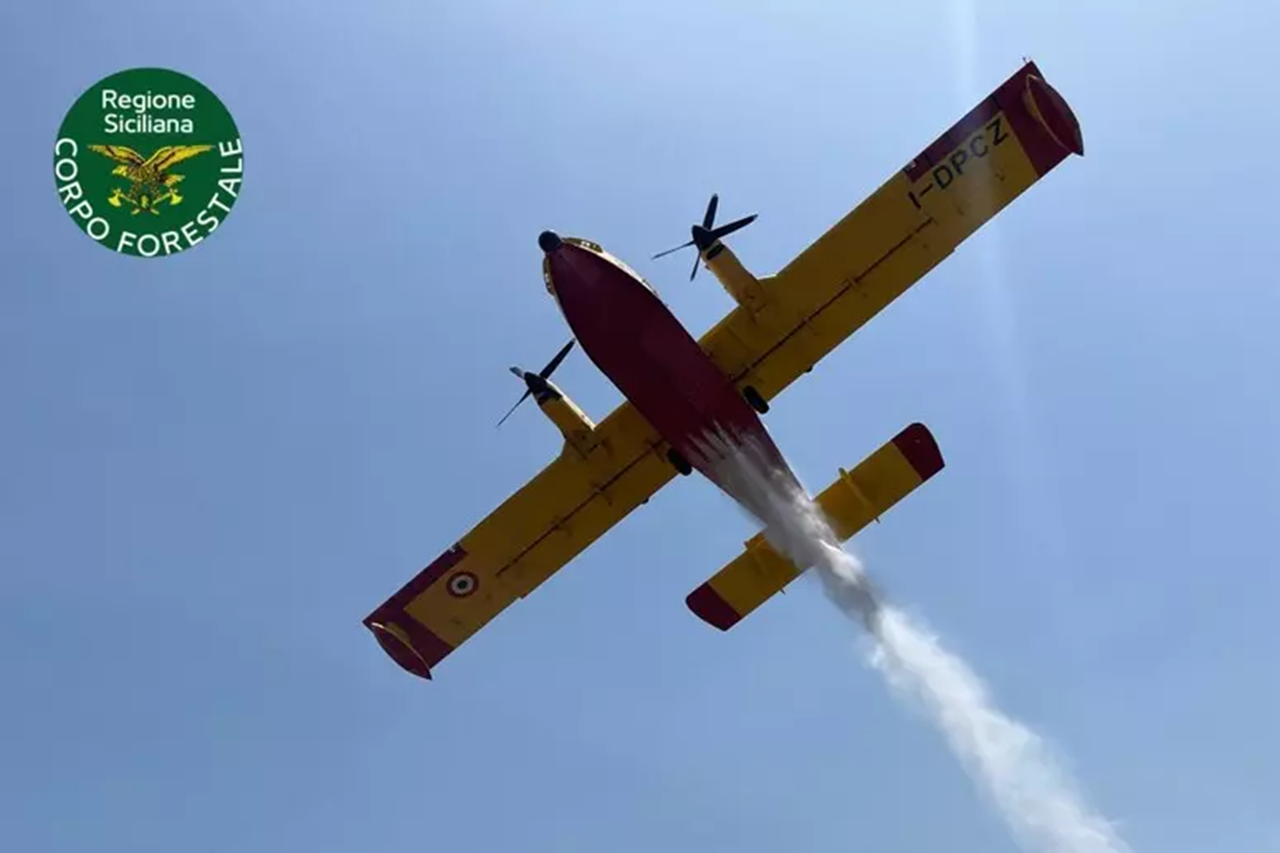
168, 156
536, 531
119, 153
1000, 148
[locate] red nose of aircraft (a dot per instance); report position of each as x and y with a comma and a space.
576, 273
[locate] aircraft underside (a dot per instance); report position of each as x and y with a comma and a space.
697, 402
635, 340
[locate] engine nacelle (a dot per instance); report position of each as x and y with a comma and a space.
579, 431
745, 288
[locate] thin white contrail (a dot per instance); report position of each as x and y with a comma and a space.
1043, 808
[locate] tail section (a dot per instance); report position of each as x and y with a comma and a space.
852, 502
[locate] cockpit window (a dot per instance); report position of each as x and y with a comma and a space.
621, 264
547, 280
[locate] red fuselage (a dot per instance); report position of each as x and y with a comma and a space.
635, 340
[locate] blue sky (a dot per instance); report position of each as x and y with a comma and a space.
214, 466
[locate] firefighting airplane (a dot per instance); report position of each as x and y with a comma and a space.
679, 389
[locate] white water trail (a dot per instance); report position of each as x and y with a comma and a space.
1011, 764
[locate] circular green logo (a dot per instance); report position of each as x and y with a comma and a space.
148, 162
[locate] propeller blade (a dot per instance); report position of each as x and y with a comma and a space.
517, 371
669, 251
555, 362
709, 219
524, 397
726, 230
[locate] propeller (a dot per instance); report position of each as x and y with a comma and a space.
707, 233
531, 380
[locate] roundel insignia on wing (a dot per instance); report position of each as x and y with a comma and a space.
463, 584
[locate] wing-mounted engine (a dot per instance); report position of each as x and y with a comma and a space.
745, 288
578, 429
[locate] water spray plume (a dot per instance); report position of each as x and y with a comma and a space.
1011, 764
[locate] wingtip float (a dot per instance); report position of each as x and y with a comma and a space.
679, 389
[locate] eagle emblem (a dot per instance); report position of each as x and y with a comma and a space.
150, 181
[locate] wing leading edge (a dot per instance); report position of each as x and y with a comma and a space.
998, 150
567, 506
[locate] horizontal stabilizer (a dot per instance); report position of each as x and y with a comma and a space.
852, 502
